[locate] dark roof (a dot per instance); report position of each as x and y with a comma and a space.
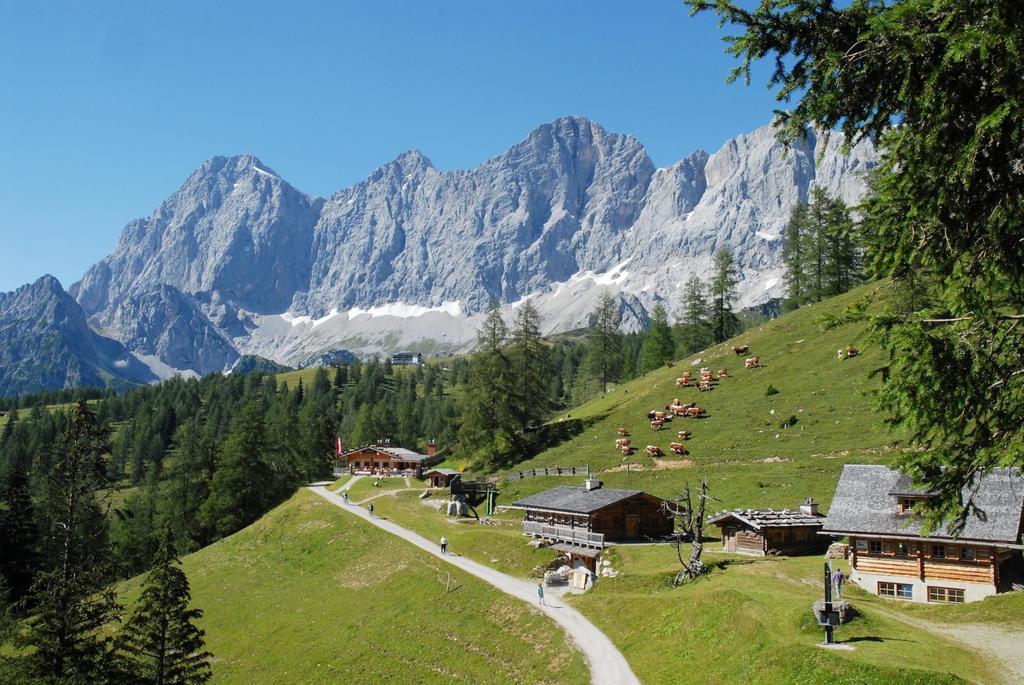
576, 499
769, 518
863, 504
904, 486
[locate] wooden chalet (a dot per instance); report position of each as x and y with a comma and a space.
769, 531
441, 477
892, 557
612, 513
383, 457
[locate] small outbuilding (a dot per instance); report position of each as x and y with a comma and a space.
768, 531
441, 477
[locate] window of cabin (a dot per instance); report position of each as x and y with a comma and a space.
945, 595
875, 546
938, 551
886, 548
982, 553
862, 545
906, 505
967, 553
901, 549
896, 590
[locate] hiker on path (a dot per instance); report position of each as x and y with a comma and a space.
540, 593
369, 508
444, 545
344, 497
837, 581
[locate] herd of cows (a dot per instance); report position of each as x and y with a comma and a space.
677, 409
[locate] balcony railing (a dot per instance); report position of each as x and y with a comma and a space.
573, 536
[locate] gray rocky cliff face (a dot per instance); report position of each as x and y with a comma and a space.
414, 254
46, 343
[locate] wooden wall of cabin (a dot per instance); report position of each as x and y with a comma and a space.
633, 519
795, 540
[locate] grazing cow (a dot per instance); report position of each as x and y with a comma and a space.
654, 451
682, 382
852, 352
678, 448
705, 385
657, 424
652, 415
696, 411
684, 435
623, 432
622, 442
742, 349
839, 354
661, 415
752, 363
722, 373
627, 450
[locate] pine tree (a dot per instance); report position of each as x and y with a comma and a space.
945, 206
529, 356
190, 472
19, 537
244, 483
724, 323
793, 257
604, 343
72, 600
658, 348
488, 424
160, 644
694, 330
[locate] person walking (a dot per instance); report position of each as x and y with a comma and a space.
837, 581
540, 593
344, 497
444, 545
369, 508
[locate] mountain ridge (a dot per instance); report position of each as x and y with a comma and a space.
237, 261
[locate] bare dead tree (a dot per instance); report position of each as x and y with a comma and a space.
689, 527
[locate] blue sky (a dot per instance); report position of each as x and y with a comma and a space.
105, 108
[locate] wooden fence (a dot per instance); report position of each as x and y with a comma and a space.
550, 471
574, 536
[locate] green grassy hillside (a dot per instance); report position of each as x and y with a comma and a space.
309, 594
748, 445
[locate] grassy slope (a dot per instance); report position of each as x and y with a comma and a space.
749, 459
308, 594
750, 621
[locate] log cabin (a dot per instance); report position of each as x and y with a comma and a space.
892, 556
769, 531
610, 513
383, 457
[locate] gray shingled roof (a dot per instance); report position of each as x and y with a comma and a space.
769, 518
446, 471
575, 499
863, 504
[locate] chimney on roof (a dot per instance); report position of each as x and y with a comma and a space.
809, 507
431, 448
591, 484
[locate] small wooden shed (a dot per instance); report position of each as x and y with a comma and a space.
770, 531
441, 477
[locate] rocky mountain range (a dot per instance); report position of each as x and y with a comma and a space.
237, 261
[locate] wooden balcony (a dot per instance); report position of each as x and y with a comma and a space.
572, 536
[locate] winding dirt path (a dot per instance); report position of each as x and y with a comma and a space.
607, 665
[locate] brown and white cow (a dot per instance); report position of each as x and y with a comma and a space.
678, 448
622, 442
741, 349
657, 424
752, 363
684, 435
623, 432
654, 451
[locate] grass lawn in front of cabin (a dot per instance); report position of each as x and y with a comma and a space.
501, 546
365, 487
750, 620
310, 594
